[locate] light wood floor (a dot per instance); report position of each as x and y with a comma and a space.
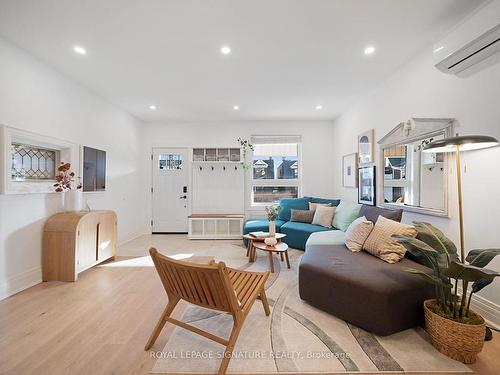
99, 324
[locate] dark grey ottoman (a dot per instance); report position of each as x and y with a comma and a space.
362, 289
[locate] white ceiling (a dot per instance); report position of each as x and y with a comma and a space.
287, 55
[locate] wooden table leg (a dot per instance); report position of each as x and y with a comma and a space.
271, 262
287, 260
252, 254
249, 247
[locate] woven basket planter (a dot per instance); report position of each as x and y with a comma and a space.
458, 341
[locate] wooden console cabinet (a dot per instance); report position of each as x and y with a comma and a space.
76, 241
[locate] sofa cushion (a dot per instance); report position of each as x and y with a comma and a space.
363, 290
381, 243
323, 216
302, 216
287, 204
332, 202
357, 233
326, 238
298, 233
372, 213
345, 214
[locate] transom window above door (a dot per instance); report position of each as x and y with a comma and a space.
170, 161
275, 169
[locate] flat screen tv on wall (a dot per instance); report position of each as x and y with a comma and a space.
94, 169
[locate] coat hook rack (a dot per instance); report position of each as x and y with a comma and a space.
235, 168
212, 167
201, 168
224, 167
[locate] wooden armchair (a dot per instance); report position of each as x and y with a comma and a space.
212, 286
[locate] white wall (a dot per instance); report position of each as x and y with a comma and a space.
420, 90
317, 145
36, 98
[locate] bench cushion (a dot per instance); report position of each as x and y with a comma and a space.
298, 233
363, 290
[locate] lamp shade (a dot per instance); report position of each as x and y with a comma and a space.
464, 143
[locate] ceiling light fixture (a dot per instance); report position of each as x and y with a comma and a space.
319, 107
438, 49
369, 50
236, 107
225, 50
152, 107
80, 50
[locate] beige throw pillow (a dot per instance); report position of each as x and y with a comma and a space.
381, 243
323, 216
312, 206
357, 233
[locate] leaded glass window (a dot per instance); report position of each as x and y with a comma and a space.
32, 163
170, 161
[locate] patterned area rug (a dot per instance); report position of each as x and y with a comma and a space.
295, 338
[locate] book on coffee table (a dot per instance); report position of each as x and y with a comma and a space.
259, 234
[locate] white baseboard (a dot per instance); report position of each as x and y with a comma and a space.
488, 310
21, 281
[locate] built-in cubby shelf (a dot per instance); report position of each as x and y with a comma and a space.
215, 226
222, 154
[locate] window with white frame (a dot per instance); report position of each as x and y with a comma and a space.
276, 169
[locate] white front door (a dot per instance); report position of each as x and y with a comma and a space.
170, 194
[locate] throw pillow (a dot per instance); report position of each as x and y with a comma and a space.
357, 233
381, 243
302, 216
312, 206
287, 204
345, 214
323, 216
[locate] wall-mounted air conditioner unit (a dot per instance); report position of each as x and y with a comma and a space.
476, 39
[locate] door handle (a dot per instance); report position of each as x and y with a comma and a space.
183, 197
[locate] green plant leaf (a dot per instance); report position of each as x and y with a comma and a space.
469, 273
429, 278
481, 257
480, 284
436, 239
422, 251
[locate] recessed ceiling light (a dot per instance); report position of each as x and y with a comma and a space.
225, 50
319, 107
438, 49
236, 107
80, 50
152, 107
369, 50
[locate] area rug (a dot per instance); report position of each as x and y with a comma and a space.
295, 338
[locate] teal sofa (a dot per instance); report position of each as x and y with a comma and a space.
297, 233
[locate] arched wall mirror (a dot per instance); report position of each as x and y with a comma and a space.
408, 178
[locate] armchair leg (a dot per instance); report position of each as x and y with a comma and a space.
265, 304
161, 323
229, 348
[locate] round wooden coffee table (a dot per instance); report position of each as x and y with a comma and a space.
280, 248
251, 239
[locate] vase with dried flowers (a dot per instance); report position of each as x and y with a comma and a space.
65, 183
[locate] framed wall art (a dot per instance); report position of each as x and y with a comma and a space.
366, 147
349, 170
367, 185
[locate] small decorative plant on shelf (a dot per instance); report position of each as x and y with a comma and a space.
65, 183
455, 329
245, 146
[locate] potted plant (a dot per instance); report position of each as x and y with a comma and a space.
455, 329
65, 184
272, 215
245, 146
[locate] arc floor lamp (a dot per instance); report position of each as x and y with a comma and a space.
457, 145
